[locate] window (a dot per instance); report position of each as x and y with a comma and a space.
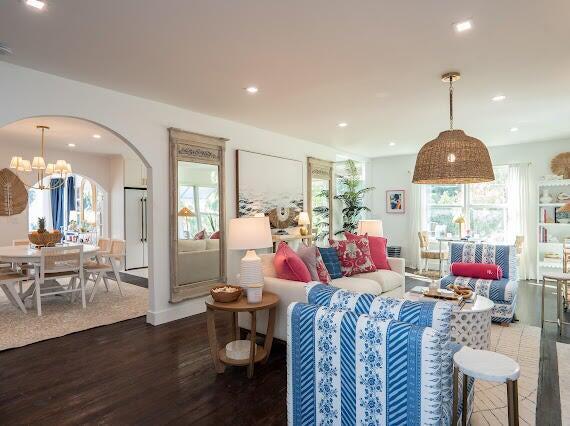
206, 217
483, 206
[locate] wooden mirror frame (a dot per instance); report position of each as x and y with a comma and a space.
93, 199
319, 170
195, 148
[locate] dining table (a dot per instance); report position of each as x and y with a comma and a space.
28, 254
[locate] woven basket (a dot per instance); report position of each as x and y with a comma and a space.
226, 296
46, 239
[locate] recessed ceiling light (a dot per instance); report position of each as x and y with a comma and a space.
514, 129
36, 4
498, 98
71, 145
463, 26
252, 89
342, 124
96, 136
392, 144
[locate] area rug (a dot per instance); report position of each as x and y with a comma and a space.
522, 343
60, 317
563, 355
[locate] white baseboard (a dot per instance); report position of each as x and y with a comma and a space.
176, 312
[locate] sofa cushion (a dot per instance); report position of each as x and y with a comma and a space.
354, 256
288, 264
185, 246
499, 291
330, 258
388, 280
502, 255
212, 244
378, 249
358, 285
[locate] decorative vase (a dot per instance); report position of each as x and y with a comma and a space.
545, 198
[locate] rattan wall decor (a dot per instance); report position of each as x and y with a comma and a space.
13, 194
560, 165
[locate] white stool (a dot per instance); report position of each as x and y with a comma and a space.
562, 280
489, 366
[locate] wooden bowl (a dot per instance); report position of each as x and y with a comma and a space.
226, 296
46, 239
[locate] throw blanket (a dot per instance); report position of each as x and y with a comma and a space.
349, 369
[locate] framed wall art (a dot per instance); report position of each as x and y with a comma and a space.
396, 201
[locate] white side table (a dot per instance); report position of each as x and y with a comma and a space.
470, 325
489, 366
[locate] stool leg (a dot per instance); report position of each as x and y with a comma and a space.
542, 304
465, 408
455, 395
558, 307
513, 402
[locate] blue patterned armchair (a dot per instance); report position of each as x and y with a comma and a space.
358, 358
502, 292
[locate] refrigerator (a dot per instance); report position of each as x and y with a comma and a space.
136, 230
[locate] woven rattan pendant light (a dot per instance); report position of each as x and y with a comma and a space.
453, 157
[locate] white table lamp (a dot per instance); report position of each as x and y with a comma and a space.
303, 222
250, 233
370, 227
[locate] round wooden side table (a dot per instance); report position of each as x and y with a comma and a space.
256, 352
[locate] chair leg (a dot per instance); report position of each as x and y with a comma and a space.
82, 284
11, 287
513, 402
117, 276
95, 287
106, 281
38, 297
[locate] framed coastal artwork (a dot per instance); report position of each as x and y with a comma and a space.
269, 185
395, 201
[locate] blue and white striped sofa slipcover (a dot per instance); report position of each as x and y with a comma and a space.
350, 369
502, 292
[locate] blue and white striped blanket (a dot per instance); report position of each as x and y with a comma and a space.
350, 369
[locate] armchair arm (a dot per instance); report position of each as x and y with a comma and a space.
397, 264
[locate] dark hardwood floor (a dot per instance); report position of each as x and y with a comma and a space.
133, 373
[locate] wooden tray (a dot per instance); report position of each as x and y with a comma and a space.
444, 296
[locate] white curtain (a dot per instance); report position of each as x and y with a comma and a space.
519, 220
417, 212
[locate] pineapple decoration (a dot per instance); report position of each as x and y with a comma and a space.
42, 237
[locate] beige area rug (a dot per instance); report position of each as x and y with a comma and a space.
60, 317
563, 355
522, 343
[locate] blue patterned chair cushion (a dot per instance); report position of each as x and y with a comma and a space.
502, 255
350, 369
499, 291
330, 258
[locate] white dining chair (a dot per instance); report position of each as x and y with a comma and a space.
104, 245
56, 263
106, 262
8, 283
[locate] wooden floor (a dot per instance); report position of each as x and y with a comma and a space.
133, 373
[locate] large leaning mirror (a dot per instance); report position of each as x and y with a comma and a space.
319, 196
197, 240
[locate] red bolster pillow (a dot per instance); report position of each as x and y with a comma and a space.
485, 271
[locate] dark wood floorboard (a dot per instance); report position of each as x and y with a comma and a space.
133, 373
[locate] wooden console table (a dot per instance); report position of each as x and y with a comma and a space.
256, 352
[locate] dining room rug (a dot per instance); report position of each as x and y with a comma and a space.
60, 317
522, 343
563, 355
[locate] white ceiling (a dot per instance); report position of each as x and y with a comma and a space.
374, 64
63, 131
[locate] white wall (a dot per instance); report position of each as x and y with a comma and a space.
144, 124
117, 197
396, 173
95, 167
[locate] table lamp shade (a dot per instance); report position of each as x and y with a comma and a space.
459, 219
249, 233
370, 227
185, 212
304, 218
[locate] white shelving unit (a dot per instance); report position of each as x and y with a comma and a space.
554, 232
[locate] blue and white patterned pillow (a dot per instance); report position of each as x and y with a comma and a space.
330, 258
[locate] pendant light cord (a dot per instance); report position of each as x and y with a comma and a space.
450, 103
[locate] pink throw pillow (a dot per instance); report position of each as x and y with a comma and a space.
215, 236
354, 256
378, 250
484, 271
200, 235
289, 266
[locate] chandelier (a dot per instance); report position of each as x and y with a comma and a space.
60, 169
453, 157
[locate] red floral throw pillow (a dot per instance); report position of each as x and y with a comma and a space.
378, 250
354, 256
322, 271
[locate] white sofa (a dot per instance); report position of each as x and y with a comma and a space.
198, 260
389, 283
